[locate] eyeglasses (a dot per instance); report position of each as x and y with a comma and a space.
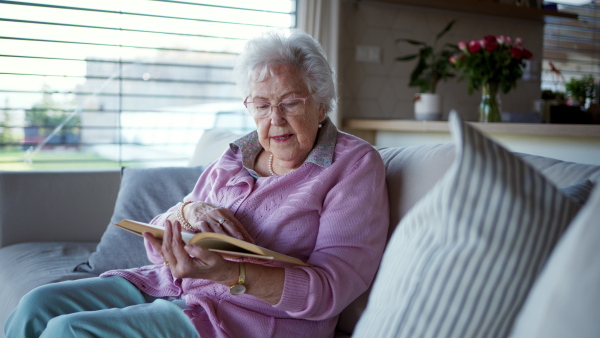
288, 107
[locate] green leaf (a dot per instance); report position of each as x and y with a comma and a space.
445, 30
425, 53
412, 42
433, 65
453, 47
407, 57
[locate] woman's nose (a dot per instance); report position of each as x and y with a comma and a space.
277, 117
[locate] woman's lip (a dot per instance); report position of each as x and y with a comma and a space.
281, 138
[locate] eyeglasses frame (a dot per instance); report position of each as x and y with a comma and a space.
277, 105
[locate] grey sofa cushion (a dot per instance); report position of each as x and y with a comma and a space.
144, 193
37, 264
562, 173
54, 193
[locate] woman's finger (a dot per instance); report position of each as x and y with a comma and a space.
155, 242
204, 226
223, 226
221, 221
166, 248
197, 253
226, 223
234, 228
242, 230
177, 244
228, 227
204, 262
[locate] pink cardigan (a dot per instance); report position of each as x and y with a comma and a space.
334, 217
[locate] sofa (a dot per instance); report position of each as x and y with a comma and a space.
57, 226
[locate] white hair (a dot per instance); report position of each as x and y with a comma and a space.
297, 49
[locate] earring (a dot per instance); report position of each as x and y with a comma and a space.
320, 125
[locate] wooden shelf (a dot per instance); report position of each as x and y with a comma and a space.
543, 129
486, 8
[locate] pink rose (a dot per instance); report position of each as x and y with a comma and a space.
518, 41
517, 52
462, 46
489, 38
474, 46
489, 43
501, 39
491, 46
453, 58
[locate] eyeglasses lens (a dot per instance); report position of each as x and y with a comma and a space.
288, 107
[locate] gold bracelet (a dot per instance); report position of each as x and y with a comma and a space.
184, 223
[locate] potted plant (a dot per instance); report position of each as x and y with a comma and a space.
581, 90
432, 66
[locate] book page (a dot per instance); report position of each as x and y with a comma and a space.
220, 243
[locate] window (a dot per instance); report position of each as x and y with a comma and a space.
572, 47
96, 84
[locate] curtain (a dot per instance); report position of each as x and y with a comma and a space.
320, 19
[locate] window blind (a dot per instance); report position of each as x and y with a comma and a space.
89, 84
571, 47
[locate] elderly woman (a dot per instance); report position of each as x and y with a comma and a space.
296, 185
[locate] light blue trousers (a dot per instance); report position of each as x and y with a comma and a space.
96, 307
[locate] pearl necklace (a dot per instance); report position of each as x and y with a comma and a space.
271, 165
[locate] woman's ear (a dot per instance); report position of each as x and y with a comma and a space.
322, 112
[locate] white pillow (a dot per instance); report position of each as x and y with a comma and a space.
211, 146
565, 299
461, 262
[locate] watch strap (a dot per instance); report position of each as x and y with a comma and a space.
239, 287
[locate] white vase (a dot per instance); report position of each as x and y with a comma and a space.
428, 106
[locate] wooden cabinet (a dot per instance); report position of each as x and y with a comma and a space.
567, 142
542, 129
368, 128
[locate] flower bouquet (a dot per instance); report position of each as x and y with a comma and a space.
492, 64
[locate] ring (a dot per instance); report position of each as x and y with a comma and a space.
166, 263
221, 221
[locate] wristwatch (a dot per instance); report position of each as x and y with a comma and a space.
239, 287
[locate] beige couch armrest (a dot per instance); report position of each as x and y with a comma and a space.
56, 205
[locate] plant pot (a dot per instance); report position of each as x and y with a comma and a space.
428, 107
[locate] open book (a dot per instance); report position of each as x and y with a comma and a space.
223, 244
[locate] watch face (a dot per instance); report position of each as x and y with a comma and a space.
237, 289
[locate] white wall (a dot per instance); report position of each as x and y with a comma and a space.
380, 89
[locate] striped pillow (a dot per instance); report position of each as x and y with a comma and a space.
461, 262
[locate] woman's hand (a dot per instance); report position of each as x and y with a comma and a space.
205, 217
192, 261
